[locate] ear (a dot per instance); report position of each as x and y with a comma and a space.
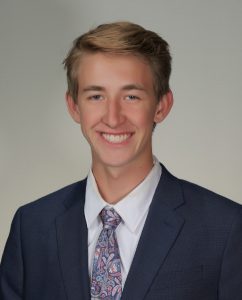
72, 108
163, 107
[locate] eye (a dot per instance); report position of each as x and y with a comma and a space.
132, 97
95, 97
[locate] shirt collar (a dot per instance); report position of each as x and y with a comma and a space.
132, 207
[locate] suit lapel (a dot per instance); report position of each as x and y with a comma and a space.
161, 229
72, 246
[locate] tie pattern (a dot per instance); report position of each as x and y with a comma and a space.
106, 280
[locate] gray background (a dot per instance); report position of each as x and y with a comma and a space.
42, 149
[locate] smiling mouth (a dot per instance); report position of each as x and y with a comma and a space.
116, 138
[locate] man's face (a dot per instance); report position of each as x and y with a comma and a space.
116, 108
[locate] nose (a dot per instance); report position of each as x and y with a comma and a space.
113, 116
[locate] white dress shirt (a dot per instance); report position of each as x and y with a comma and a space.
133, 210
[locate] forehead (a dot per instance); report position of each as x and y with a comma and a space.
113, 69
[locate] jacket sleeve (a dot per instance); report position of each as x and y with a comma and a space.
230, 285
11, 270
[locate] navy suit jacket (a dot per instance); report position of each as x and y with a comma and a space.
190, 248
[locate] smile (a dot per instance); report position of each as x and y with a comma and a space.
116, 138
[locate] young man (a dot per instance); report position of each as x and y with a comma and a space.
131, 229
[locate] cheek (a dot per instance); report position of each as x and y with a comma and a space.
144, 118
89, 116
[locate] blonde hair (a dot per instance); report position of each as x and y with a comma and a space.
121, 38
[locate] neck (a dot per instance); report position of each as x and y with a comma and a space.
114, 183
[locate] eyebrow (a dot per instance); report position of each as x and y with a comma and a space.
93, 88
133, 86
126, 87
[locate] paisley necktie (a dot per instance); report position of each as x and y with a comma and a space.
106, 282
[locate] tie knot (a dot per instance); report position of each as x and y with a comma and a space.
110, 218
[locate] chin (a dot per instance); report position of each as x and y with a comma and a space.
115, 162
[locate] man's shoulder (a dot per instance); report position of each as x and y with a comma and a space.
205, 195
199, 200
56, 201
209, 207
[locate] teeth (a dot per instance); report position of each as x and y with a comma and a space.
115, 138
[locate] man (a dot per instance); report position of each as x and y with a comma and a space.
131, 229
